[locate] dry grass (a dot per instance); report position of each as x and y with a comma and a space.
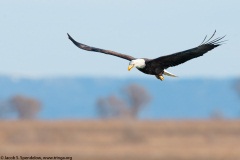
133, 140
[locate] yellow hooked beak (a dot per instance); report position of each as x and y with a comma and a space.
130, 67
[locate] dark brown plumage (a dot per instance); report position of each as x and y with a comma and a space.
157, 66
88, 48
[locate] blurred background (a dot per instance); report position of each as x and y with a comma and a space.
58, 100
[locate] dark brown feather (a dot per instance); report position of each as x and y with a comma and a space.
88, 48
181, 57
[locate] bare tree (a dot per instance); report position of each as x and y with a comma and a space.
111, 107
217, 114
135, 98
25, 107
237, 86
5, 110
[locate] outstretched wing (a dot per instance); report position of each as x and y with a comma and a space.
181, 57
88, 48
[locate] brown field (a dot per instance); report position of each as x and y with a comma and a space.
122, 140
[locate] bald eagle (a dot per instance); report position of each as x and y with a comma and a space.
159, 65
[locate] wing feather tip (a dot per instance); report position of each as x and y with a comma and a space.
69, 36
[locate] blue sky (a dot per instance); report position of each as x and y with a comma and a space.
34, 40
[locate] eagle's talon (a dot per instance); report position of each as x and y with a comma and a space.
161, 78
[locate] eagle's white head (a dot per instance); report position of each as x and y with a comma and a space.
138, 63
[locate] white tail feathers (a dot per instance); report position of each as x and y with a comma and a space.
168, 73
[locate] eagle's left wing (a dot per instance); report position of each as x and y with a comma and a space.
181, 57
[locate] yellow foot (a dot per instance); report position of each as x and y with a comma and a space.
161, 78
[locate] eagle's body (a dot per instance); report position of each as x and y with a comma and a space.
157, 66
149, 69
